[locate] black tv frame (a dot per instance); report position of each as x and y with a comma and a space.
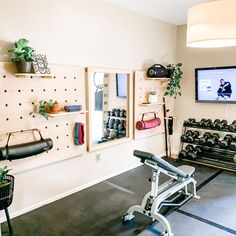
117, 86
196, 85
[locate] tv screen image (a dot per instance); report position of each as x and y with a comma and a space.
121, 85
216, 84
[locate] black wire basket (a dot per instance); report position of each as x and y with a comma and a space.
6, 192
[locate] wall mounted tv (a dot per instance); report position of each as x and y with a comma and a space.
121, 85
215, 84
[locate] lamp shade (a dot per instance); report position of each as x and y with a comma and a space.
212, 24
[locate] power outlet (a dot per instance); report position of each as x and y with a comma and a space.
98, 156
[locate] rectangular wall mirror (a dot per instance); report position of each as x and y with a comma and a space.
109, 105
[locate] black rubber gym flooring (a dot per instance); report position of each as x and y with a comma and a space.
97, 211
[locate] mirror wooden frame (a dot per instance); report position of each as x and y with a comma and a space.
129, 117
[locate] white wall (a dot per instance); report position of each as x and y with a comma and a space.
85, 33
192, 58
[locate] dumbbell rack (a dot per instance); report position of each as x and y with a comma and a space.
213, 156
122, 133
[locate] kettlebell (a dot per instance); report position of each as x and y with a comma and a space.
106, 133
112, 134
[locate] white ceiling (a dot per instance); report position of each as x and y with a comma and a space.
172, 11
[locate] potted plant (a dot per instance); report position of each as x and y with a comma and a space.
5, 184
175, 74
6, 192
152, 97
43, 108
23, 55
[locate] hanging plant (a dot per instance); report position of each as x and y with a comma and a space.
175, 74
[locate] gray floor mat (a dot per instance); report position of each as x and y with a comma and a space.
186, 226
218, 201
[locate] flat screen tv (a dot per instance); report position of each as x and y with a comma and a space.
215, 84
121, 85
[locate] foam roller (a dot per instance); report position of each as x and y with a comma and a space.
148, 124
23, 150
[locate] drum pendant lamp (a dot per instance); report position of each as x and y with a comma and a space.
212, 24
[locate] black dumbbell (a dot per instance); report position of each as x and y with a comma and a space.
190, 121
232, 144
215, 123
184, 137
122, 113
213, 139
193, 154
191, 137
121, 127
207, 123
117, 112
232, 127
111, 123
202, 122
113, 112
226, 141
184, 153
204, 138
221, 125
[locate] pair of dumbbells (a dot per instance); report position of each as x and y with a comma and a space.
190, 152
109, 134
209, 139
226, 141
219, 124
190, 136
117, 112
119, 125
205, 123
189, 122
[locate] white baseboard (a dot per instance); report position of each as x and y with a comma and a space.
67, 193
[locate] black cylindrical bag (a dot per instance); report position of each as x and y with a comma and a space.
23, 150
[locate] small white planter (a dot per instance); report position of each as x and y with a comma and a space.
152, 98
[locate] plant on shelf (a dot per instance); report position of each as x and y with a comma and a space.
44, 108
152, 97
175, 74
23, 55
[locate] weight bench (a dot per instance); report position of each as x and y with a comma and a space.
181, 183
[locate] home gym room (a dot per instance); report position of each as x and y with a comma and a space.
117, 118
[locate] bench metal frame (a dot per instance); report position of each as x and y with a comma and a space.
160, 195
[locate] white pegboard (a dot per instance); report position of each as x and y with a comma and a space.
142, 88
18, 96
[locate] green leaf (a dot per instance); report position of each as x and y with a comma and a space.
21, 43
22, 51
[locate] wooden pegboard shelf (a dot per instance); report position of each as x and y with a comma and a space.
159, 79
62, 113
21, 92
150, 104
31, 75
143, 86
